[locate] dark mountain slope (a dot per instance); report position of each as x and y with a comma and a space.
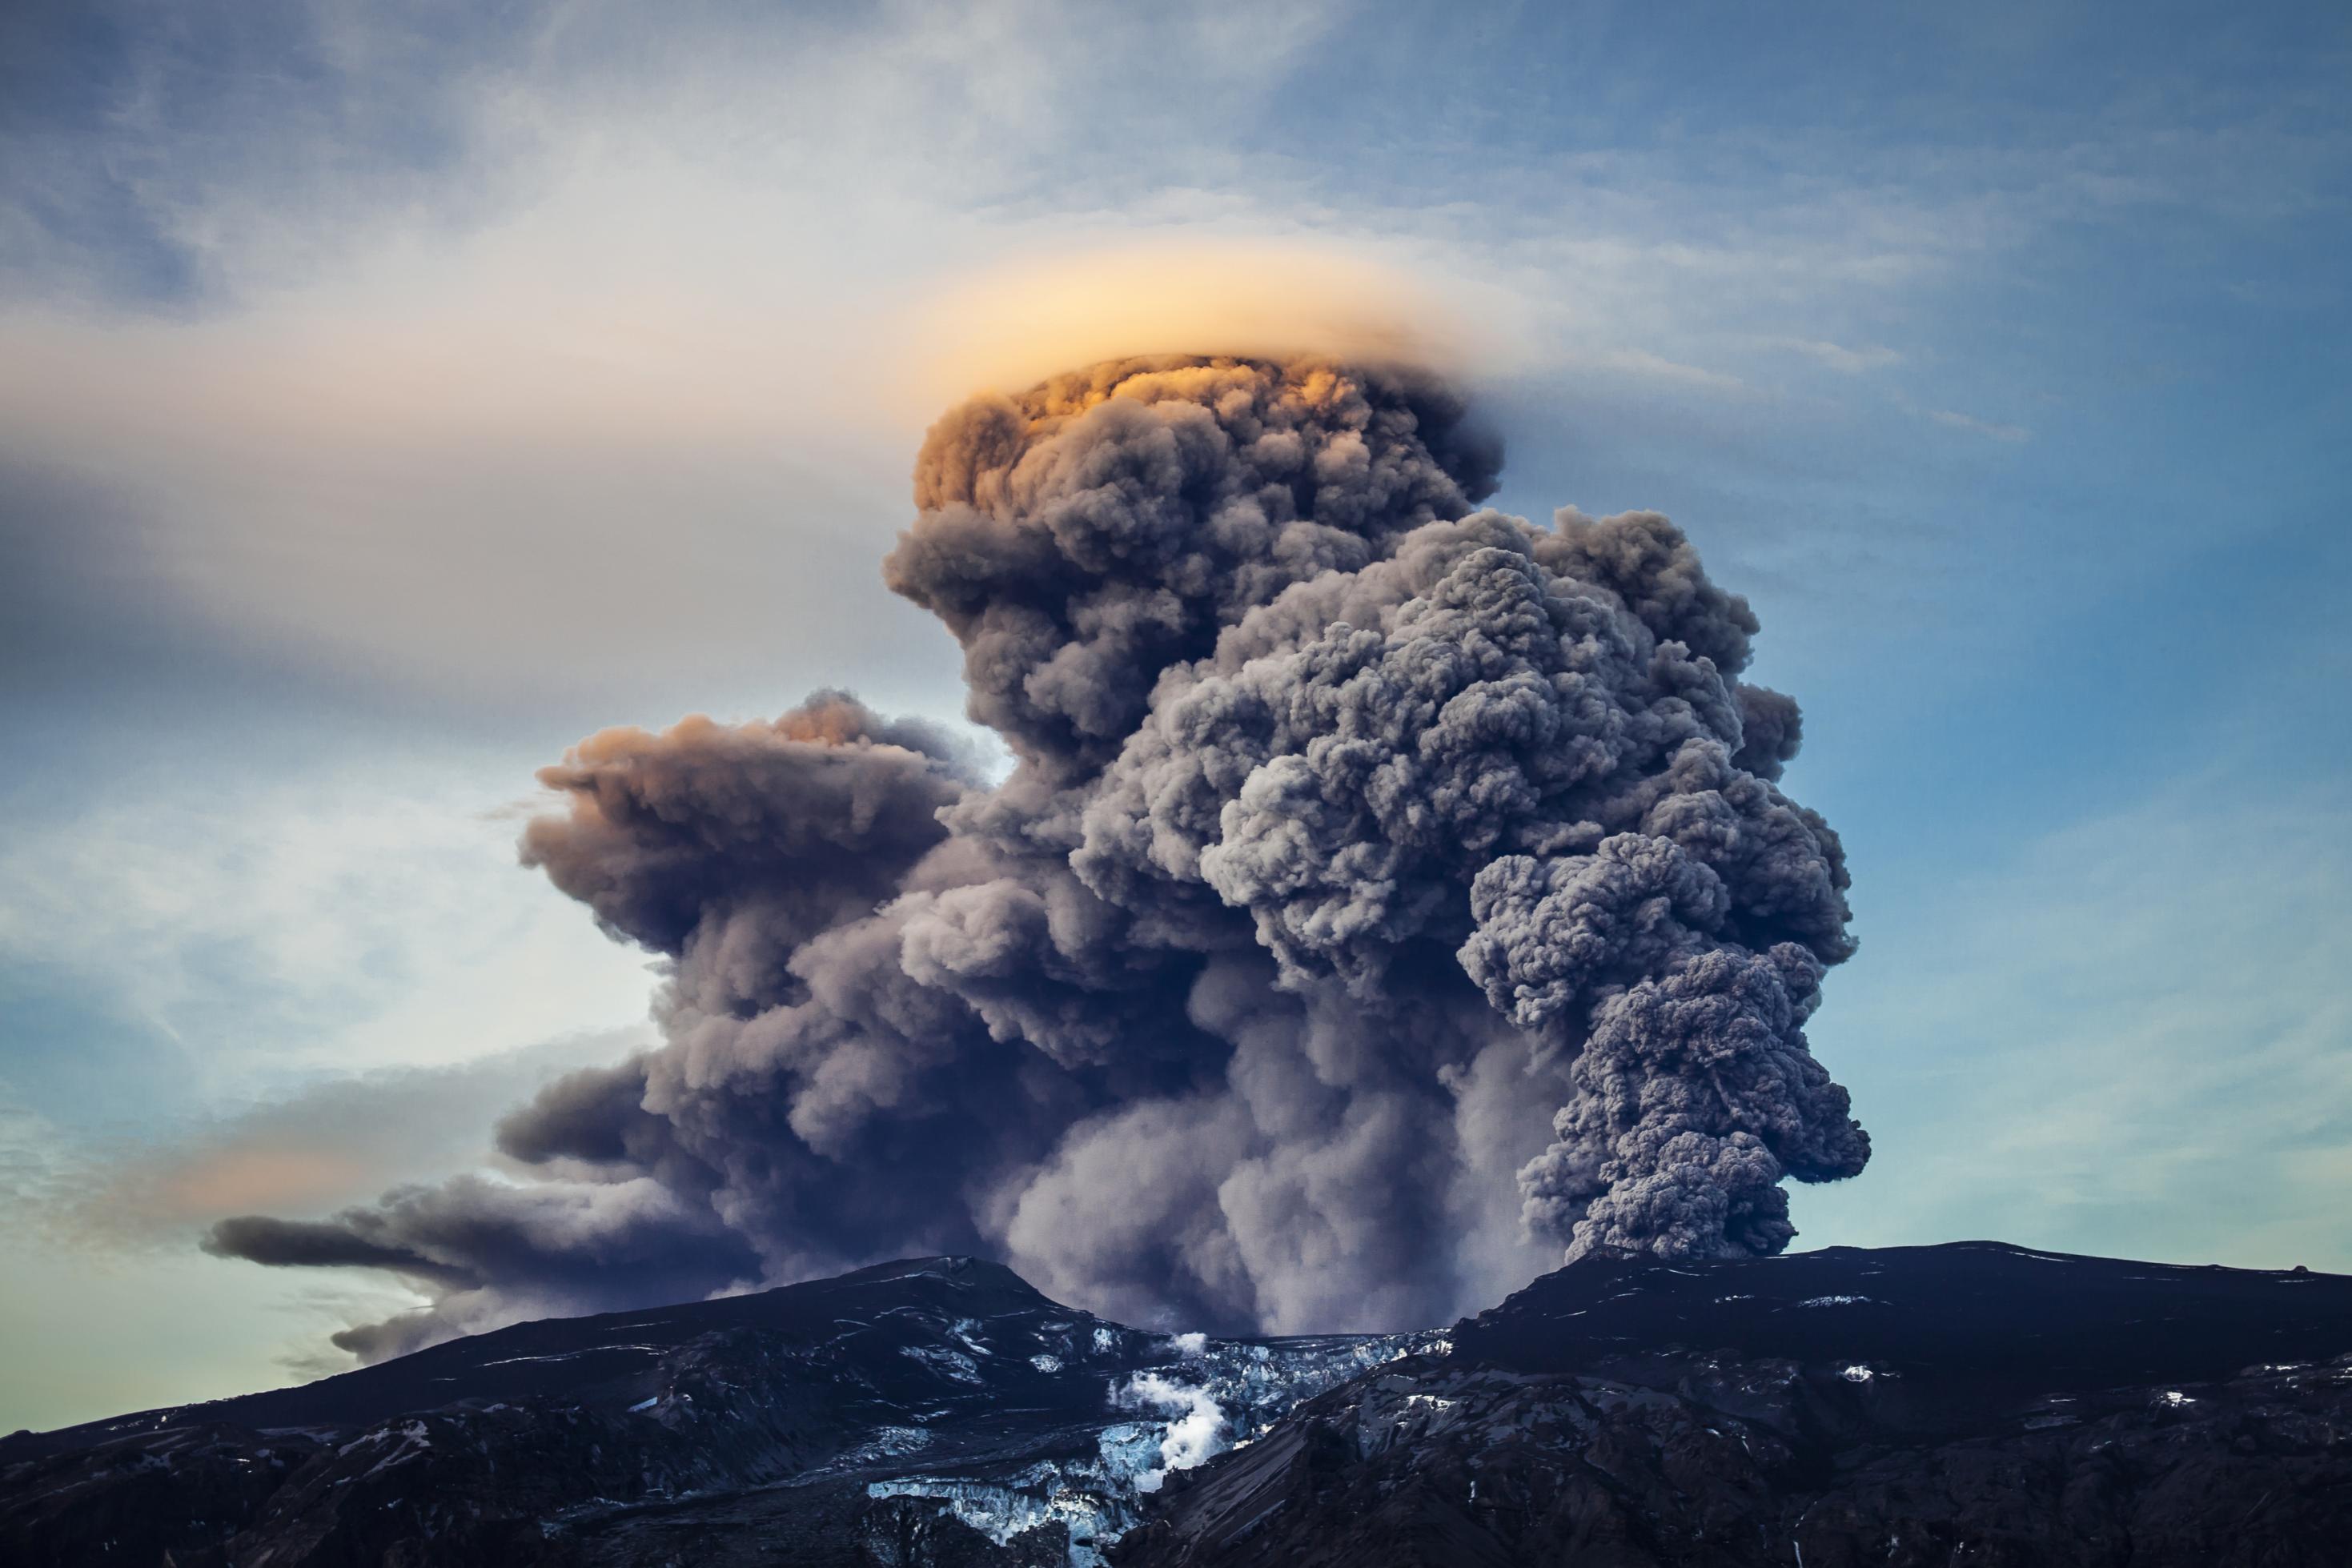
833, 1416
619, 1356
1972, 1402
2004, 1319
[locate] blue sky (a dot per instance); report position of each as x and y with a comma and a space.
390, 396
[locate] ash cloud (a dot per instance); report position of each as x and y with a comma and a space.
1388, 895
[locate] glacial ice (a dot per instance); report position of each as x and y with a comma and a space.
1216, 1394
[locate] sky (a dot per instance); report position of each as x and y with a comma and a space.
391, 395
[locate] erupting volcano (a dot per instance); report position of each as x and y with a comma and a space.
1386, 893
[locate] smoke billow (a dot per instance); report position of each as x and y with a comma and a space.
1386, 893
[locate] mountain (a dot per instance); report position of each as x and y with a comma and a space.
1966, 1404
841, 1416
1971, 1403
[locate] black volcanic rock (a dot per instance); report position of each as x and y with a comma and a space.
860, 1420
1972, 1402
2004, 1320
617, 1356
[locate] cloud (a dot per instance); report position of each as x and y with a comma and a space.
178, 949
1951, 421
1643, 365
1024, 319
328, 1143
474, 299
1837, 356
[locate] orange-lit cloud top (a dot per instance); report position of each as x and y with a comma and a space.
1019, 322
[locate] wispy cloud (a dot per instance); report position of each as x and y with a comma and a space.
1837, 356
1641, 365
328, 923
1951, 420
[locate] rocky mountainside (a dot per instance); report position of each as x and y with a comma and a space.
934, 1411
1963, 1404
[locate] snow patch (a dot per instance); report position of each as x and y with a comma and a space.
946, 1363
888, 1443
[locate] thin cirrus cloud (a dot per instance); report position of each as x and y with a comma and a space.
1855, 360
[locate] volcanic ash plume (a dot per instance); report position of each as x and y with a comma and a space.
1386, 893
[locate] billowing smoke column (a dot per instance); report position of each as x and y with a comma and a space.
1386, 893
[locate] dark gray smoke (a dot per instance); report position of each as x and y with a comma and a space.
1385, 893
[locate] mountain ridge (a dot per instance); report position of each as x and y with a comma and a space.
941, 1413
1961, 1403
303, 1403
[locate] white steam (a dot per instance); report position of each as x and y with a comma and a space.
1197, 1430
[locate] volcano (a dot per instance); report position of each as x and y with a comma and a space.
1972, 1402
